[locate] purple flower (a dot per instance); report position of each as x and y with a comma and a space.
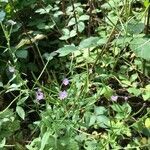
114, 98
39, 95
125, 98
65, 81
63, 95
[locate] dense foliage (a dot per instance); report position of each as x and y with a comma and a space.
74, 75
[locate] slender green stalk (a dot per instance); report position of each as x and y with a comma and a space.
16, 98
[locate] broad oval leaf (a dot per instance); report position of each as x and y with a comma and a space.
64, 51
141, 47
2, 143
49, 56
100, 110
71, 22
2, 15
92, 120
84, 17
22, 54
1, 84
147, 123
135, 28
103, 121
20, 112
44, 140
89, 42
81, 26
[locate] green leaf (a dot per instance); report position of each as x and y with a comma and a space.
72, 33
103, 121
90, 145
2, 15
108, 92
135, 28
81, 26
141, 47
100, 110
14, 87
146, 94
134, 91
22, 54
1, 84
2, 143
20, 112
147, 123
66, 34
146, 3
71, 22
80, 137
44, 140
87, 117
45, 26
121, 41
92, 120
6, 1
45, 10
66, 50
133, 77
102, 41
22, 100
49, 56
118, 108
65, 31
72, 145
125, 108
89, 42
65, 37
84, 17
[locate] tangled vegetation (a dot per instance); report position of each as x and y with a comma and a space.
74, 74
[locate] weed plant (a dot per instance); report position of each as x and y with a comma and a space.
74, 75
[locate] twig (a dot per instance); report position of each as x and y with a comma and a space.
74, 13
90, 20
110, 39
63, 7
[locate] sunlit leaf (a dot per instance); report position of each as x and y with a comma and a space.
44, 140
66, 50
81, 26
147, 123
22, 54
2, 15
84, 17
141, 47
71, 22
89, 42
20, 112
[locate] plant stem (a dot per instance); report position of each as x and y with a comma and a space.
75, 16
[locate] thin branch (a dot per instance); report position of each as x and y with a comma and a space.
75, 16
110, 39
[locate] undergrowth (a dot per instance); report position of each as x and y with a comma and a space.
74, 75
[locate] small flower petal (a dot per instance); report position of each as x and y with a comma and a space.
65, 81
39, 95
63, 95
114, 98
